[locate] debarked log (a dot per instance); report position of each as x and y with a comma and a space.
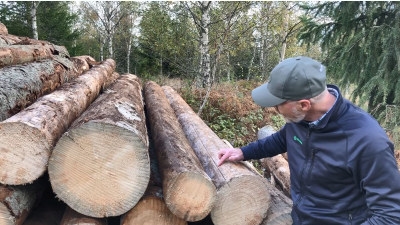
242, 196
28, 137
100, 167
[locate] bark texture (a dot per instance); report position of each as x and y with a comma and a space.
100, 167
188, 191
3, 29
21, 85
19, 54
242, 196
27, 138
16, 202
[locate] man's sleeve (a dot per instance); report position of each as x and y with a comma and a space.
380, 179
267, 147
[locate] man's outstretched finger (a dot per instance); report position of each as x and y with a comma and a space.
222, 159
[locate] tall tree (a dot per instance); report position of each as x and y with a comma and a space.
360, 40
105, 17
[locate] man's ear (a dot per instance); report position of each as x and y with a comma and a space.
305, 105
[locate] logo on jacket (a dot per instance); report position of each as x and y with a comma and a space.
295, 138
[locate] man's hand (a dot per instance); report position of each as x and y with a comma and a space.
230, 154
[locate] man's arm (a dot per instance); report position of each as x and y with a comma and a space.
380, 179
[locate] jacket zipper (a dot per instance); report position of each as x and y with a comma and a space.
304, 169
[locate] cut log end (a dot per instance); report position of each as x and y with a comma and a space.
5, 216
23, 153
191, 196
144, 213
99, 169
243, 201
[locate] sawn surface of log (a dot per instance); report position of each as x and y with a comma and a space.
242, 197
151, 209
28, 137
188, 191
71, 217
100, 167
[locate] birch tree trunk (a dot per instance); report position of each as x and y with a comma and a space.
35, 5
205, 65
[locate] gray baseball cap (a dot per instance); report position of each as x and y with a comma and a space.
292, 79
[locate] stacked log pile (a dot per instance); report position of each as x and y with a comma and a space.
108, 148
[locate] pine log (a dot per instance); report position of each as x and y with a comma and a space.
151, 209
28, 137
3, 29
243, 197
188, 191
100, 167
19, 54
7, 39
72, 217
277, 166
21, 85
16, 202
48, 211
90, 60
280, 206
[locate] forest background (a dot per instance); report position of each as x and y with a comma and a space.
215, 52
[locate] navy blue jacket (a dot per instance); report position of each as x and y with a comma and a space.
343, 170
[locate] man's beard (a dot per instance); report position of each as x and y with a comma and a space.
297, 116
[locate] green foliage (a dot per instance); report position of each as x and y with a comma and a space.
360, 40
16, 17
56, 24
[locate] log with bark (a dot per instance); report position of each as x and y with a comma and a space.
243, 197
21, 85
151, 209
100, 167
280, 206
277, 167
48, 211
188, 191
7, 39
16, 202
19, 54
72, 217
3, 29
28, 137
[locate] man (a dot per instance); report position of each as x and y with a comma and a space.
342, 164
